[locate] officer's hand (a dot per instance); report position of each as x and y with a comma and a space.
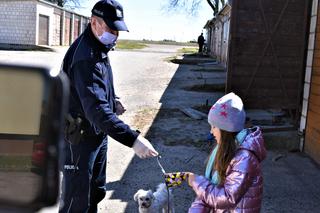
143, 148
119, 108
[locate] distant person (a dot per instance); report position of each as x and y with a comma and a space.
201, 42
93, 112
233, 179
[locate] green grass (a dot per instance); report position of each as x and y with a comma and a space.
130, 45
164, 42
170, 59
188, 50
169, 42
15, 163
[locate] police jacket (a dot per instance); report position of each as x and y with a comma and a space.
92, 95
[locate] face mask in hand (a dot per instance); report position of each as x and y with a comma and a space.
108, 39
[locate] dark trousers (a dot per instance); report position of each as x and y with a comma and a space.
84, 175
200, 48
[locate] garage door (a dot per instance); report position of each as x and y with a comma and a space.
267, 53
43, 38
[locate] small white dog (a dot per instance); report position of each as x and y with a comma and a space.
154, 202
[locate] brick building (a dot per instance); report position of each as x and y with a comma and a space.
37, 22
274, 60
218, 34
310, 116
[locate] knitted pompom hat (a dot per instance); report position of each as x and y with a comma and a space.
228, 113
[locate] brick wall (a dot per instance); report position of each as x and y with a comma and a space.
311, 102
67, 30
76, 27
56, 29
18, 22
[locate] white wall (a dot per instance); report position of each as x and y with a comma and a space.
225, 39
46, 10
17, 22
218, 39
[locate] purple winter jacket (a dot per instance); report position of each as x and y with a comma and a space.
242, 189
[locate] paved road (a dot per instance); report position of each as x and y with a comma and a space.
141, 77
48, 58
140, 80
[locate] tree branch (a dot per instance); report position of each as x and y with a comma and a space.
211, 5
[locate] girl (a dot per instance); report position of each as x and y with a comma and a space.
233, 179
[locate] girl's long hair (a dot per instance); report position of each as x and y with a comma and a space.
226, 151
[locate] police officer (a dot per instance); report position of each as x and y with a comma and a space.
201, 42
93, 111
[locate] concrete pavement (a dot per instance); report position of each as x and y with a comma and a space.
152, 90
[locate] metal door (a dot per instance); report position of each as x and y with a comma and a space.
43, 32
267, 52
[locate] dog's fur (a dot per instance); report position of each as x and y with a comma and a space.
154, 202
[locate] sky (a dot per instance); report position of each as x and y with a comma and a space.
146, 19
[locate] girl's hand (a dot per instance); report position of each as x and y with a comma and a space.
190, 177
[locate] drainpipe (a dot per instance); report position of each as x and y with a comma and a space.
308, 72
81, 25
72, 28
63, 26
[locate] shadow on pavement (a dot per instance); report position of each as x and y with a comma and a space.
181, 140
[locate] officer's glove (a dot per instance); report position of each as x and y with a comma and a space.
119, 108
143, 148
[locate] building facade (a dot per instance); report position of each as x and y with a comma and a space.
272, 59
37, 22
218, 34
310, 116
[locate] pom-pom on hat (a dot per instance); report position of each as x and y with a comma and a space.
228, 113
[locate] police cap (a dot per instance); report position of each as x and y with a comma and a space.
111, 12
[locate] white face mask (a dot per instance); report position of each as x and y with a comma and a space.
108, 39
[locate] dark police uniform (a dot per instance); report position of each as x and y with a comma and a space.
92, 99
201, 42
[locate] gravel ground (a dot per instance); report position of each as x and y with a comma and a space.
153, 90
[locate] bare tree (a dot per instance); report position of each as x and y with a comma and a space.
192, 6
67, 3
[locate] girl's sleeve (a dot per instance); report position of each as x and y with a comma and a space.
198, 206
236, 184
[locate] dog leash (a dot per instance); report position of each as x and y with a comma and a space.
164, 172
160, 165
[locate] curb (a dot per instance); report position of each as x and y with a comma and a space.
25, 47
